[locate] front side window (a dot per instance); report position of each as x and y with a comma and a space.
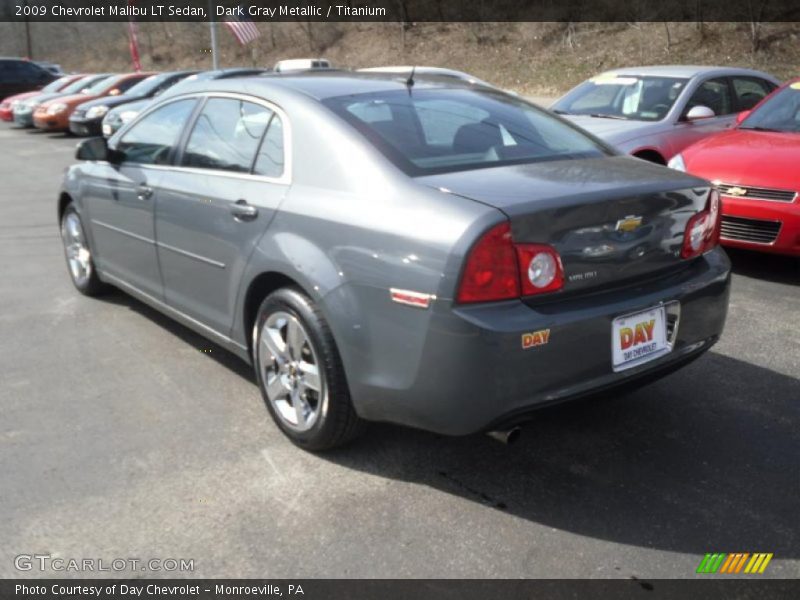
442, 130
150, 140
226, 135
714, 94
628, 97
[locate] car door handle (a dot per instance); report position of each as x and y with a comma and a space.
243, 211
144, 192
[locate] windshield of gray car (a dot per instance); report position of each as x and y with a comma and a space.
148, 85
444, 130
102, 84
628, 97
780, 112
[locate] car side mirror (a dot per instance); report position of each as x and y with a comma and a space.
96, 148
114, 92
742, 116
699, 112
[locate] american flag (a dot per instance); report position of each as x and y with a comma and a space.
242, 28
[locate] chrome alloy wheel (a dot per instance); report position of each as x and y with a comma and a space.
77, 249
290, 371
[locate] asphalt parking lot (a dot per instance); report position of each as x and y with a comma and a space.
125, 435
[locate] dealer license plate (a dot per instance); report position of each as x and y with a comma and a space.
639, 337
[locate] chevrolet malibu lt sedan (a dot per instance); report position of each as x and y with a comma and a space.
655, 112
432, 253
756, 168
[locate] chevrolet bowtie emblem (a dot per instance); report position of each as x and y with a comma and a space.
735, 191
629, 223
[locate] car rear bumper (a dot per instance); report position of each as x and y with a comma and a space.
472, 373
766, 226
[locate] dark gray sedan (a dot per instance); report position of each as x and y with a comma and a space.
427, 252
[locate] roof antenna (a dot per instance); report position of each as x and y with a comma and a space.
410, 80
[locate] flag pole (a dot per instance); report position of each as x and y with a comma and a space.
213, 25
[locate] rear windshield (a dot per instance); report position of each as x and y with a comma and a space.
444, 130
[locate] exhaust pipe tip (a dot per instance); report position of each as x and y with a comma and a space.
506, 436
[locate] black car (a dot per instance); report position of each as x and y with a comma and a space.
88, 117
18, 76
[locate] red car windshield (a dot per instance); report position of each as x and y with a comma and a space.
780, 112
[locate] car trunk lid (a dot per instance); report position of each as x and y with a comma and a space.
611, 220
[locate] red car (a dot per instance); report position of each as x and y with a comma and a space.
756, 167
7, 105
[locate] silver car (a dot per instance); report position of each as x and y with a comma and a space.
655, 112
441, 255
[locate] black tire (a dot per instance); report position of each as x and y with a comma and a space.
91, 285
336, 423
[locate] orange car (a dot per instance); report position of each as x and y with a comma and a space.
54, 115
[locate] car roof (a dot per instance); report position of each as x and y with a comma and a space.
329, 83
682, 71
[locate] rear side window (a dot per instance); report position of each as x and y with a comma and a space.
442, 130
150, 140
226, 135
750, 91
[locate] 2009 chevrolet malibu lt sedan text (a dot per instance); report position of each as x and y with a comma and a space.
427, 252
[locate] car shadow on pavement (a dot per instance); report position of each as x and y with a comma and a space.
769, 267
704, 460
217, 353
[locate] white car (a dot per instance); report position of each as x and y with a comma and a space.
655, 112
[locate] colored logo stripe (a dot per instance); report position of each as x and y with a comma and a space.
711, 563
758, 563
734, 563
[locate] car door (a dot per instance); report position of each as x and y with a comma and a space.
213, 209
714, 93
119, 198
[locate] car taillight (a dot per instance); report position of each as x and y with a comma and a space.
703, 229
491, 272
497, 269
541, 269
